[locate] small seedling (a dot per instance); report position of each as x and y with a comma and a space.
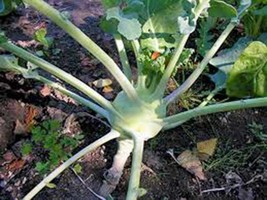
57, 147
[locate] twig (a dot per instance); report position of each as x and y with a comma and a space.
83, 182
233, 186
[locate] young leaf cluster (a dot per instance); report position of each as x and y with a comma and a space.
56, 147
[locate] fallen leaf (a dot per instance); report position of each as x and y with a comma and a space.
206, 148
29, 120
51, 185
100, 83
107, 89
45, 91
20, 128
9, 156
15, 165
191, 163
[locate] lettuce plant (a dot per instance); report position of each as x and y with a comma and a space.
138, 112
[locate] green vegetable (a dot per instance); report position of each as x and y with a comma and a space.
249, 74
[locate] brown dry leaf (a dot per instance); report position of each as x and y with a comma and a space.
15, 165
207, 148
45, 91
107, 89
100, 83
20, 128
9, 156
29, 120
191, 163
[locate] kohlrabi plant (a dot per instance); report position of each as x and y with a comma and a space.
158, 32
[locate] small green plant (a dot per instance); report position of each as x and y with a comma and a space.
139, 111
57, 147
47, 43
258, 131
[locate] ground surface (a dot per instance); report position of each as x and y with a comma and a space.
236, 161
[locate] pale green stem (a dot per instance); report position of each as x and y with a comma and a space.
123, 56
86, 42
58, 73
204, 103
223, 107
133, 189
141, 80
198, 71
110, 136
210, 96
178, 51
159, 92
74, 96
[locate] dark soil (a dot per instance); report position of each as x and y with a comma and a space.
161, 176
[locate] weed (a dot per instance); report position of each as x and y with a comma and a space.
57, 147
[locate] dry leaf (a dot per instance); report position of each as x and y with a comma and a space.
191, 163
20, 128
29, 120
45, 91
15, 165
107, 89
100, 83
207, 147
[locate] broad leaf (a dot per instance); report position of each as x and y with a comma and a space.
187, 22
226, 59
128, 27
261, 12
249, 74
220, 8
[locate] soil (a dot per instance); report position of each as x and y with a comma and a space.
162, 177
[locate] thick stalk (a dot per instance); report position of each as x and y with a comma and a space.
198, 71
171, 66
86, 42
58, 73
141, 78
133, 189
223, 107
123, 56
110, 136
76, 97
203, 104
113, 175
211, 95
178, 51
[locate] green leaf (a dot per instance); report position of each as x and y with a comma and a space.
77, 168
26, 149
3, 38
8, 63
220, 8
160, 26
261, 12
187, 22
128, 27
40, 36
42, 167
249, 74
110, 3
5, 7
51, 185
